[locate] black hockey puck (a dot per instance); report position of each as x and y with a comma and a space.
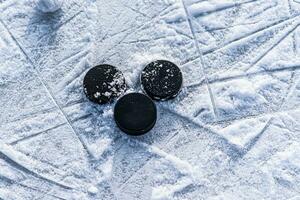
161, 80
103, 83
135, 114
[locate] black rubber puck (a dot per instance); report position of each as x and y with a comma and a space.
135, 114
161, 80
103, 83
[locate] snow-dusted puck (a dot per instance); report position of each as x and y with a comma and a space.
135, 114
161, 80
103, 83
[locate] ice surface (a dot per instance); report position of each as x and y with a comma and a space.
232, 133
48, 6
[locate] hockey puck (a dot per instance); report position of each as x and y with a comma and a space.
103, 83
135, 114
161, 80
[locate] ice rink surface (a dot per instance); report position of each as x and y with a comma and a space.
232, 133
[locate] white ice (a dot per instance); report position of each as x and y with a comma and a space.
233, 132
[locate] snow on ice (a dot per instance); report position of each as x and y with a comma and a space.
232, 133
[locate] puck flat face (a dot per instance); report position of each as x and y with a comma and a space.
135, 114
161, 80
103, 83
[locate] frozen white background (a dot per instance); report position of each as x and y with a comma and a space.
232, 133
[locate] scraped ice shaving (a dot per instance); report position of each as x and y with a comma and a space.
97, 94
241, 132
99, 147
166, 192
174, 17
93, 190
182, 166
107, 167
189, 175
209, 6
